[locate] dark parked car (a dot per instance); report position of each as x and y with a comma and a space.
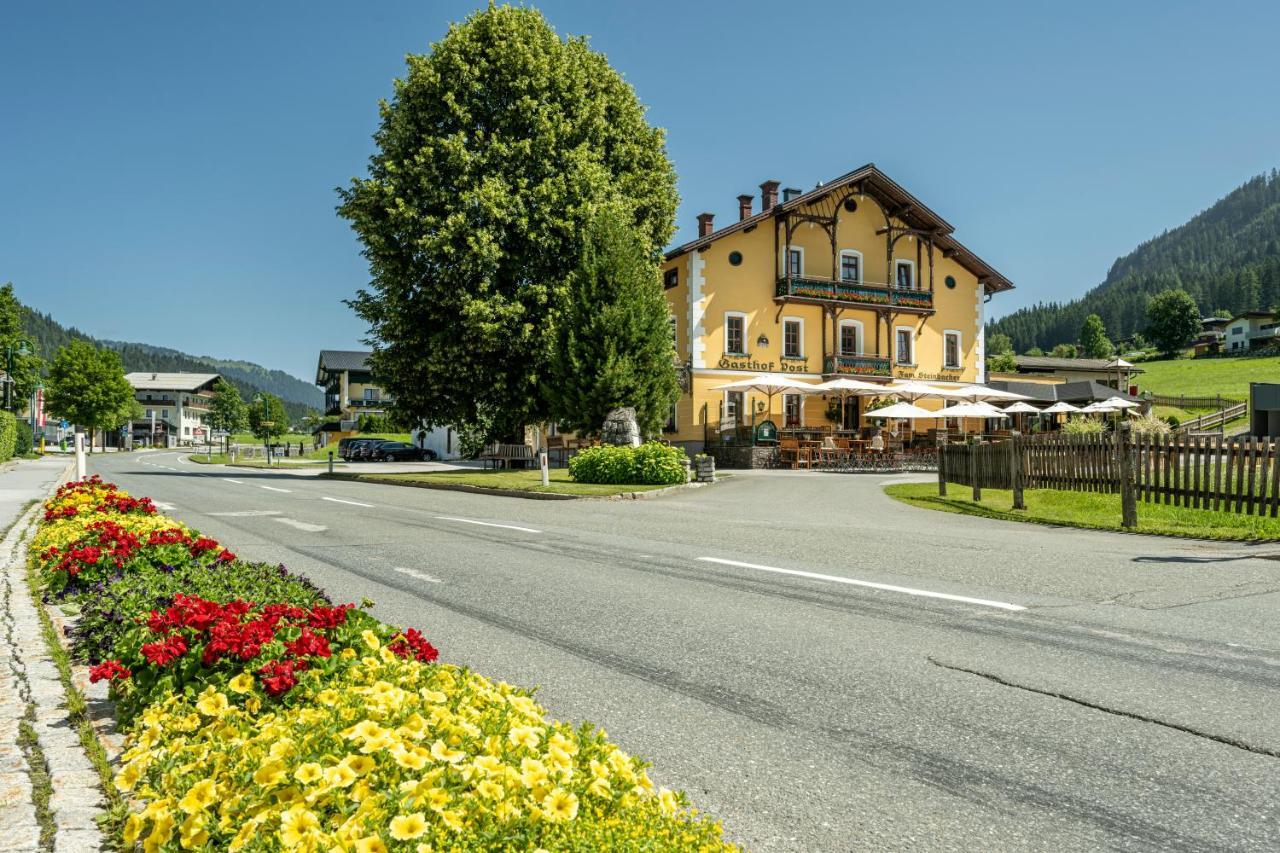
398, 451
347, 447
368, 449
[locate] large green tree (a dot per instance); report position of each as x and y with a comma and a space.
86, 385
1094, 342
227, 411
491, 155
28, 366
267, 417
613, 343
1173, 320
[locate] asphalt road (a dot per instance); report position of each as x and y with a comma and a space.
819, 666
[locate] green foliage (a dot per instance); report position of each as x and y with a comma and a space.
375, 423
1228, 256
1151, 425
1094, 342
22, 444
267, 417
648, 464
103, 621
1035, 351
8, 435
86, 385
26, 368
613, 343
1083, 426
1173, 320
999, 344
1172, 421
227, 411
1065, 351
491, 156
1002, 363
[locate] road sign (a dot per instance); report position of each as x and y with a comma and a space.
198, 432
63, 424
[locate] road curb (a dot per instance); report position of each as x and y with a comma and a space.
509, 493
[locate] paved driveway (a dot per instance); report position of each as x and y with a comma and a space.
820, 666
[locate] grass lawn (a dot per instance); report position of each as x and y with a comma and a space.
520, 481
1205, 377
223, 459
1088, 509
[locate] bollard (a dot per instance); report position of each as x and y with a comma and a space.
542, 463
330, 461
973, 470
1015, 470
80, 466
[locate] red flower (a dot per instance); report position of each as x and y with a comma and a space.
328, 617
166, 652
411, 641
308, 644
278, 677
226, 556
110, 670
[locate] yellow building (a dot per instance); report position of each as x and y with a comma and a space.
855, 278
350, 390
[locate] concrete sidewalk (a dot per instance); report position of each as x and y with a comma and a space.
25, 480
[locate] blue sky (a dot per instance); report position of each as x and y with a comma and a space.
167, 169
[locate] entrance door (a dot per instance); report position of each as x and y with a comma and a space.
852, 411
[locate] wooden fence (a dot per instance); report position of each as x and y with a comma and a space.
1182, 401
1215, 419
1199, 472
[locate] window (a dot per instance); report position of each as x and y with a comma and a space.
951, 350
671, 278
373, 393
670, 425
1238, 330
732, 407
795, 261
792, 337
791, 410
850, 265
735, 258
735, 334
906, 345
151, 413
904, 275
850, 337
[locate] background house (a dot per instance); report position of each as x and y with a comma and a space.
1113, 372
349, 388
1251, 330
175, 407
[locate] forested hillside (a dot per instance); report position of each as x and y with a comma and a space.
1227, 258
299, 397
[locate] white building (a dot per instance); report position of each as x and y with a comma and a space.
442, 440
1250, 330
175, 407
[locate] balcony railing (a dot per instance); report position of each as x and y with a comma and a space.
858, 293
361, 403
857, 365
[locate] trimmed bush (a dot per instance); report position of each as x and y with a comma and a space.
648, 464
22, 444
1083, 426
8, 435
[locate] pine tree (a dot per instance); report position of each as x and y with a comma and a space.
613, 343
1094, 342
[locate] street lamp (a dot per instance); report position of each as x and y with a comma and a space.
266, 424
21, 346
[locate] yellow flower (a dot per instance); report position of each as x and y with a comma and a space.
361, 764
405, 827
212, 704
441, 752
347, 654
328, 697
340, 776
128, 777
200, 797
270, 773
253, 704
193, 832
527, 736
242, 683
370, 639
453, 820
599, 788
308, 773
490, 789
437, 798
296, 825
133, 827
532, 772
560, 805
562, 743
669, 801
413, 759
372, 844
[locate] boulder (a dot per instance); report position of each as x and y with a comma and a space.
620, 428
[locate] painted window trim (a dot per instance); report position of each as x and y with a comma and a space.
786, 260
792, 319
897, 262
959, 365
861, 265
799, 410
745, 328
862, 337
910, 330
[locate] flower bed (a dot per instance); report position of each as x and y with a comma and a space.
260, 716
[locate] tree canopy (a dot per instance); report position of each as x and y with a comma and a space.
1173, 320
86, 385
1094, 342
267, 417
227, 410
491, 156
613, 343
26, 367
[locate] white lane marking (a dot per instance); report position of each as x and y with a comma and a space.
341, 501
274, 489
985, 602
246, 513
237, 482
301, 525
422, 576
162, 505
486, 523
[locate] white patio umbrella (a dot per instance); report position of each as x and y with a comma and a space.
972, 410
1098, 407
1061, 408
844, 387
976, 393
904, 412
911, 390
1120, 403
769, 384
1021, 408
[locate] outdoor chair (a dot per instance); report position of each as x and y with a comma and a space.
790, 452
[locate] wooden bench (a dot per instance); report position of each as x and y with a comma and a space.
503, 455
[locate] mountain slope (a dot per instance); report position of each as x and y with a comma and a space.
1227, 257
299, 397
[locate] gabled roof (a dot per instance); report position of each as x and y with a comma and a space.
147, 381
1048, 362
1077, 393
890, 194
1253, 315
338, 360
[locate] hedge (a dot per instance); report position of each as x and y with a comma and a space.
648, 464
8, 435
258, 716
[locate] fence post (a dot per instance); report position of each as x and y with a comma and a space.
1015, 469
942, 465
1128, 499
973, 469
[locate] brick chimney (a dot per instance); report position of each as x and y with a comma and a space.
705, 224
768, 195
744, 206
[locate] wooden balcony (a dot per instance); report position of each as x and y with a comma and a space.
857, 365
825, 290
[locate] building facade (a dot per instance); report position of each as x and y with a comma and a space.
1251, 330
854, 278
349, 387
175, 407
